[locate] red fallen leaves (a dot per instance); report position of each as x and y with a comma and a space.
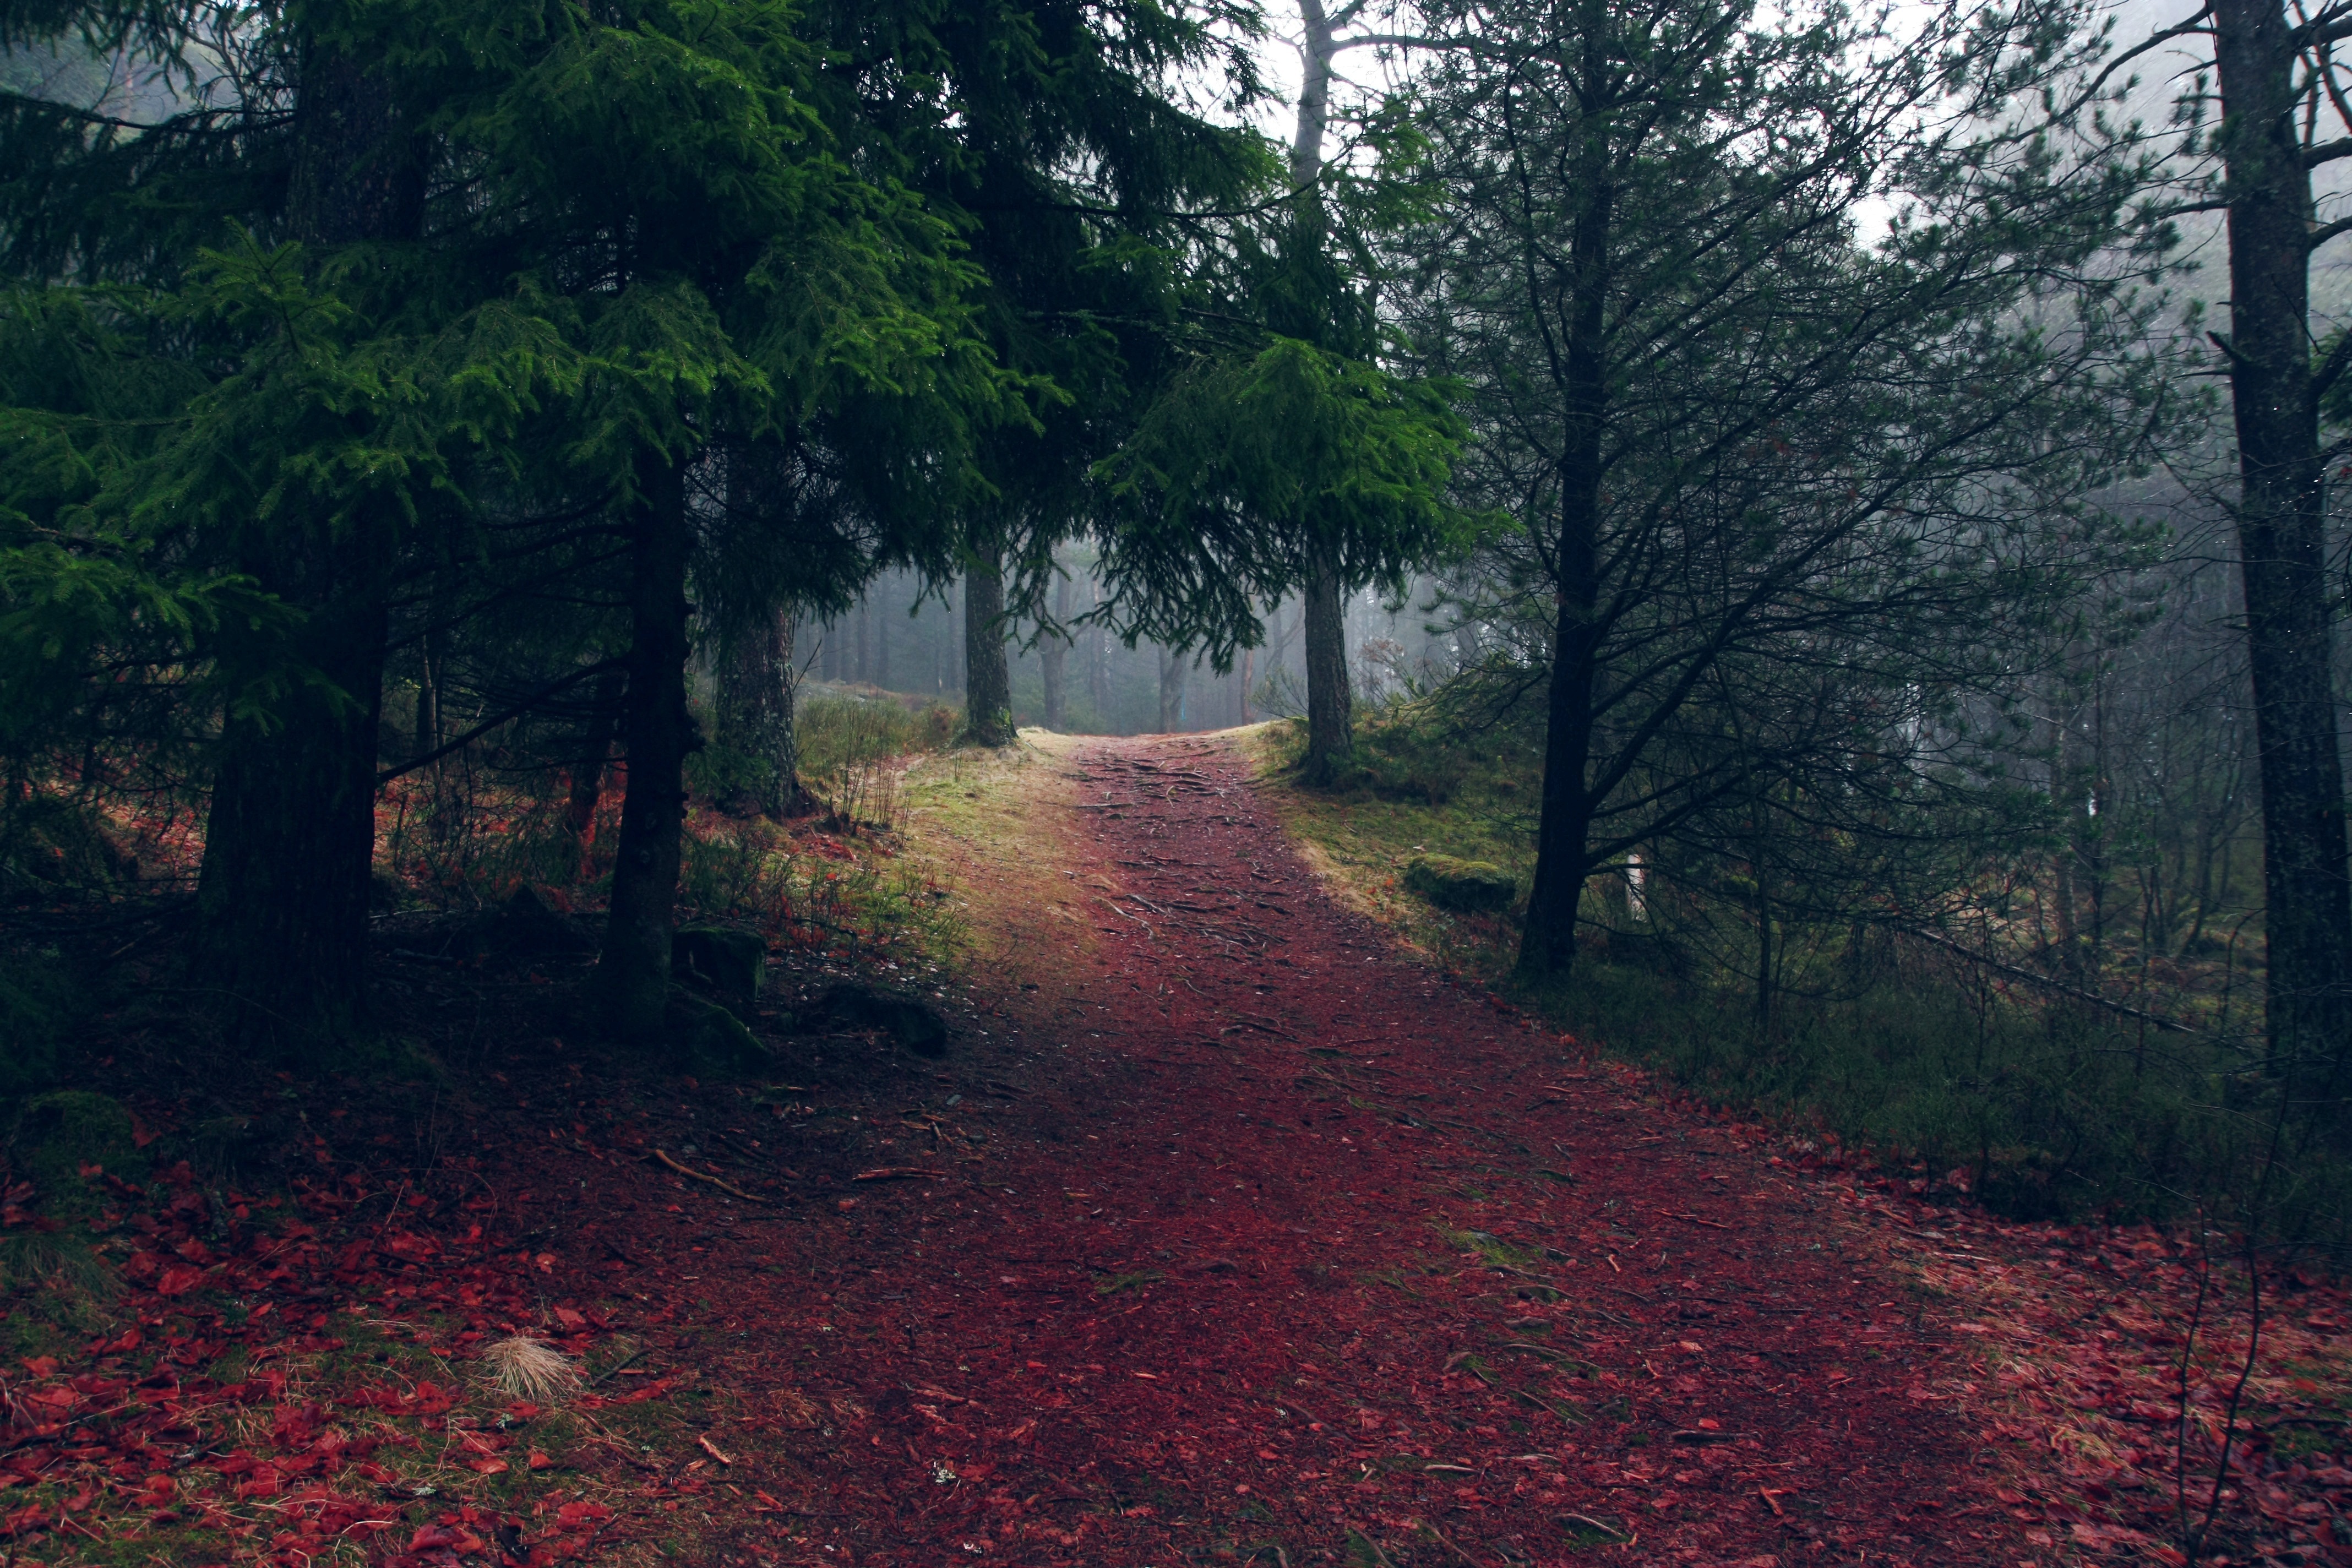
131, 1437
2085, 1335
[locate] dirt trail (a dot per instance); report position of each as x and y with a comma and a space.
1223, 1233
1286, 1247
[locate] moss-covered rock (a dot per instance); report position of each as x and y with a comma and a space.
730, 961
1452, 884
910, 1023
54, 1137
707, 1040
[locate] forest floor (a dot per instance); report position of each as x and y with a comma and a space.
1226, 1232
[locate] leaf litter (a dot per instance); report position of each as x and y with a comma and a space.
1177, 1295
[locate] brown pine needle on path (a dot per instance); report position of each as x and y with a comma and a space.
1218, 1288
1226, 1232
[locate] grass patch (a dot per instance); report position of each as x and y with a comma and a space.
1889, 1055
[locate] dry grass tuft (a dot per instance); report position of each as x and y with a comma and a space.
531, 1369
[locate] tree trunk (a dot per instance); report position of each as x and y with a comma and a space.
1051, 656
2275, 396
429, 699
2066, 793
1763, 944
988, 672
1053, 660
632, 973
289, 835
1173, 669
1563, 832
587, 782
1330, 729
1097, 657
290, 840
755, 707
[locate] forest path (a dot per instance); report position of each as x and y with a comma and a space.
1284, 1243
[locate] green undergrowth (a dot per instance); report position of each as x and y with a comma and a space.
1928, 1074
1406, 793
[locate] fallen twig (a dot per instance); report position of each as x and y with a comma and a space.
683, 1170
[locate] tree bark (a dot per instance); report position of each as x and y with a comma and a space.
1172, 671
429, 699
1053, 660
1330, 730
1330, 727
289, 835
633, 972
2066, 793
2274, 397
756, 708
988, 672
587, 781
1563, 832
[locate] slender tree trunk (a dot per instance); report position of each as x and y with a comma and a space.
988, 672
1763, 944
587, 782
1173, 669
755, 707
883, 621
289, 837
1563, 832
1053, 660
2275, 396
633, 972
2066, 791
429, 698
1330, 730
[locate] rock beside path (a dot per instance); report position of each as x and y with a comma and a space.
913, 1025
1468, 885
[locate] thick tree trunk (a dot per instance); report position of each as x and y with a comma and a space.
633, 972
1564, 855
988, 672
756, 708
289, 836
290, 840
1330, 717
2282, 541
